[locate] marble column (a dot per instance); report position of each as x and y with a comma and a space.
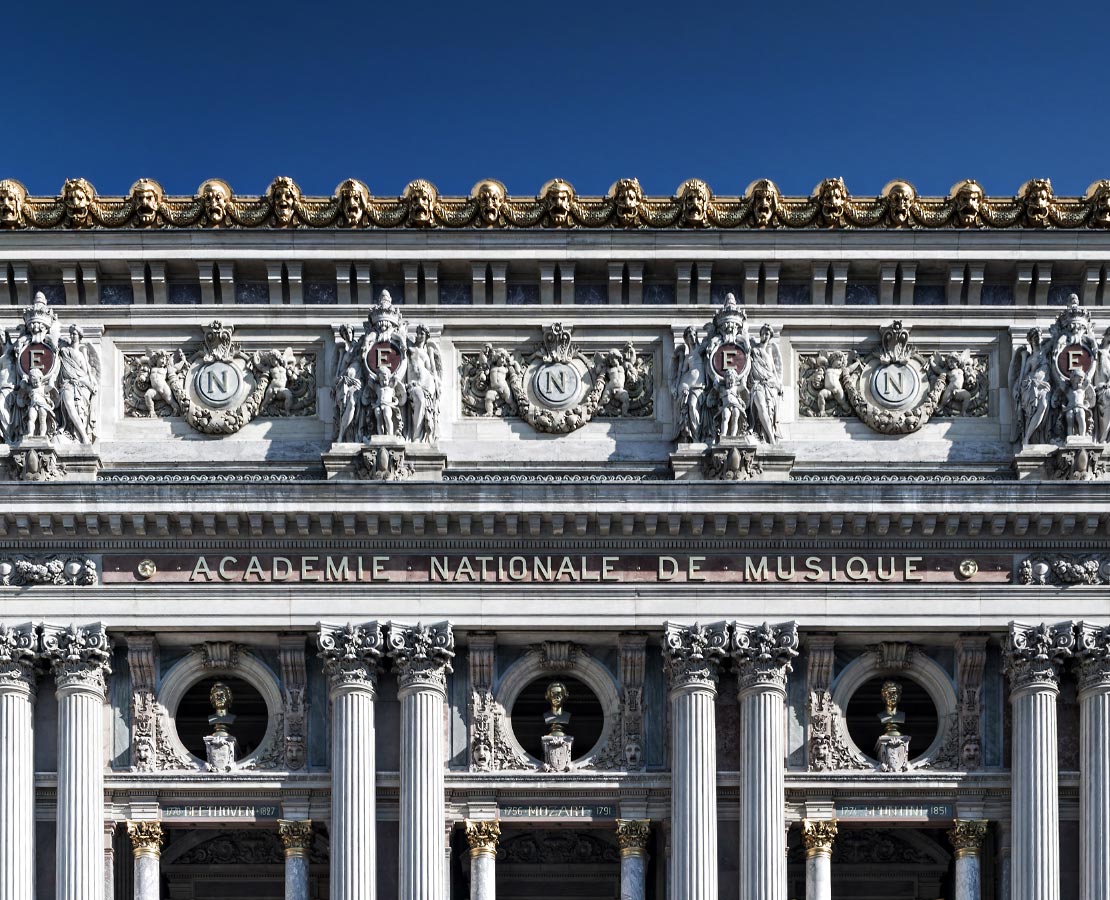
633, 836
763, 655
691, 658
422, 659
18, 648
819, 835
966, 837
1094, 761
351, 655
296, 836
1033, 657
146, 843
482, 835
79, 657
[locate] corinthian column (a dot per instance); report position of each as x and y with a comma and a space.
1034, 654
1094, 762
351, 654
17, 763
691, 656
763, 655
819, 835
482, 835
632, 836
422, 658
296, 836
79, 657
146, 844
966, 836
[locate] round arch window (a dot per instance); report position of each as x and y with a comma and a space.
247, 705
866, 706
587, 717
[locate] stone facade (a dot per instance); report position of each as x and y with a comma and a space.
431, 547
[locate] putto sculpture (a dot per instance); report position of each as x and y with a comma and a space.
388, 382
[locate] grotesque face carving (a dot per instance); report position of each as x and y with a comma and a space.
557, 198
1098, 194
629, 198
765, 202
633, 754
1036, 198
77, 195
146, 200
284, 196
353, 199
969, 199
900, 196
832, 196
693, 196
12, 195
491, 197
420, 197
214, 199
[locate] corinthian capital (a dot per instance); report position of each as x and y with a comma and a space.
818, 835
1093, 652
351, 654
966, 836
79, 655
764, 653
422, 654
693, 653
17, 657
146, 838
1035, 653
482, 835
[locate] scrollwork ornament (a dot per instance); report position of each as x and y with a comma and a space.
1093, 657
692, 653
80, 656
421, 654
1034, 654
18, 655
351, 654
764, 654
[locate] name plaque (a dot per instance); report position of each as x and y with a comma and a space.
542, 811
509, 569
924, 811
222, 811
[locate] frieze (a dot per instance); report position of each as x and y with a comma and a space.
557, 388
495, 568
1065, 569
693, 205
894, 389
24, 571
220, 387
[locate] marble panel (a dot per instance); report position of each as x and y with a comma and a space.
590, 294
861, 294
116, 294
252, 292
929, 295
318, 292
794, 293
518, 294
997, 294
659, 293
183, 292
456, 293
55, 293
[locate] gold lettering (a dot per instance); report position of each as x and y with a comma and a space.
201, 568
693, 569
485, 561
668, 568
589, 576
755, 571
439, 570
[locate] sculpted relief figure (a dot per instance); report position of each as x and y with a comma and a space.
967, 202
489, 196
353, 201
12, 197
284, 197
215, 198
1098, 199
688, 387
628, 201
693, 198
146, 202
1030, 389
766, 385
387, 382
900, 197
557, 198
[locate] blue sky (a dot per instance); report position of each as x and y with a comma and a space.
590, 92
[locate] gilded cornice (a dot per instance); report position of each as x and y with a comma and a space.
215, 205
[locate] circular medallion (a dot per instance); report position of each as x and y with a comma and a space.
556, 384
37, 356
383, 353
969, 568
218, 383
895, 384
146, 569
729, 356
1074, 356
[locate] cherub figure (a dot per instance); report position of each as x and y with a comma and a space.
497, 362
613, 364
732, 407
34, 397
160, 368
280, 367
959, 371
388, 396
836, 366
1079, 400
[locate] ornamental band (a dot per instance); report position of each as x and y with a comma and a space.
706, 545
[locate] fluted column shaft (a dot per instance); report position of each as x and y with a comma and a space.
296, 836
351, 655
691, 655
146, 843
763, 657
483, 835
421, 656
1034, 654
17, 764
1094, 762
818, 835
80, 662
